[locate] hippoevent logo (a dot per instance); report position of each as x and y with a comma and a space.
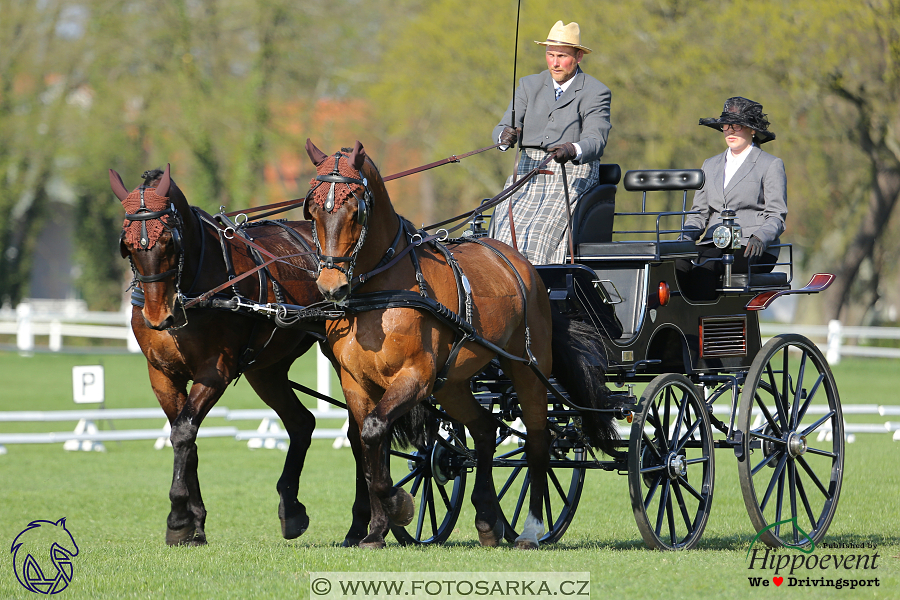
803, 566
42, 556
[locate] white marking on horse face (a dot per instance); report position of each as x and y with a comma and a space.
533, 530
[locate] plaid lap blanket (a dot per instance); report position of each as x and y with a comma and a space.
539, 209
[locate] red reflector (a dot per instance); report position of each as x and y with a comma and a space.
663, 293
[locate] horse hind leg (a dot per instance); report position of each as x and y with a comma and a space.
533, 401
273, 386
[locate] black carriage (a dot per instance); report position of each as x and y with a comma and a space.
710, 384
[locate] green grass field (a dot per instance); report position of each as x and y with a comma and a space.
116, 504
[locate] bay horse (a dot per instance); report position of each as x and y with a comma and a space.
171, 244
486, 300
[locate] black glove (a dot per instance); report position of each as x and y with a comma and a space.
509, 136
754, 247
565, 153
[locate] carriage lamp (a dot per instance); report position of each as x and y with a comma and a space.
727, 237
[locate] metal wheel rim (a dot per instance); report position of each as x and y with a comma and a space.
792, 503
671, 509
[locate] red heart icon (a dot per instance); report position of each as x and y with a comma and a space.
778, 580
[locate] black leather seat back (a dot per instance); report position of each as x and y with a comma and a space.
592, 221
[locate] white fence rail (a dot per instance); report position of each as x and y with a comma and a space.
86, 435
33, 319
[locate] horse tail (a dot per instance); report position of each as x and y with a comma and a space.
409, 431
579, 362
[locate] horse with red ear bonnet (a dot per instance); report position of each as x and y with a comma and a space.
395, 356
193, 354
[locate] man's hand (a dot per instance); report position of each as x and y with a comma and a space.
754, 247
565, 153
509, 137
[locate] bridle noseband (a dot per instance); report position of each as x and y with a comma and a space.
364, 207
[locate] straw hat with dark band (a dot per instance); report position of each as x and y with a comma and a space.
565, 35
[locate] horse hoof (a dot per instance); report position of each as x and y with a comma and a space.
373, 544
294, 527
490, 537
350, 542
180, 537
403, 510
526, 545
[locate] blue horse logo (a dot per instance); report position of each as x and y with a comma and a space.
42, 556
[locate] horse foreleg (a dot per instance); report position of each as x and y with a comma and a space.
187, 520
187, 516
397, 505
362, 506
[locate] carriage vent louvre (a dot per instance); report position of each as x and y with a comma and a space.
723, 336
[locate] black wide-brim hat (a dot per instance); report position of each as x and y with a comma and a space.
741, 111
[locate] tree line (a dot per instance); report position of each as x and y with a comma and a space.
229, 90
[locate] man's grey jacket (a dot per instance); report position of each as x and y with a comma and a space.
580, 115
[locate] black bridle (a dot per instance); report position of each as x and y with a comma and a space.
364, 207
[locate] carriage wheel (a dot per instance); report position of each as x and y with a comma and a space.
512, 480
670, 464
793, 442
436, 477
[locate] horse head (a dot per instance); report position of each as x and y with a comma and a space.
346, 203
158, 220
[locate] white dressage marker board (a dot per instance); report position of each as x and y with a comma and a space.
87, 384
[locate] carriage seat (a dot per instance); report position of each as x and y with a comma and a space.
592, 220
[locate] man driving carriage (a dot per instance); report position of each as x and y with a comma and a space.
565, 112
743, 179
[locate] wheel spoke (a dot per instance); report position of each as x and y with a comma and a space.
775, 476
821, 452
556, 484
686, 485
446, 499
792, 488
549, 510
763, 463
680, 497
805, 499
431, 508
651, 446
660, 430
652, 492
511, 453
780, 501
407, 477
768, 415
813, 476
676, 434
809, 397
687, 436
815, 425
423, 504
663, 502
521, 501
777, 394
413, 457
509, 482
758, 434
420, 474
796, 404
